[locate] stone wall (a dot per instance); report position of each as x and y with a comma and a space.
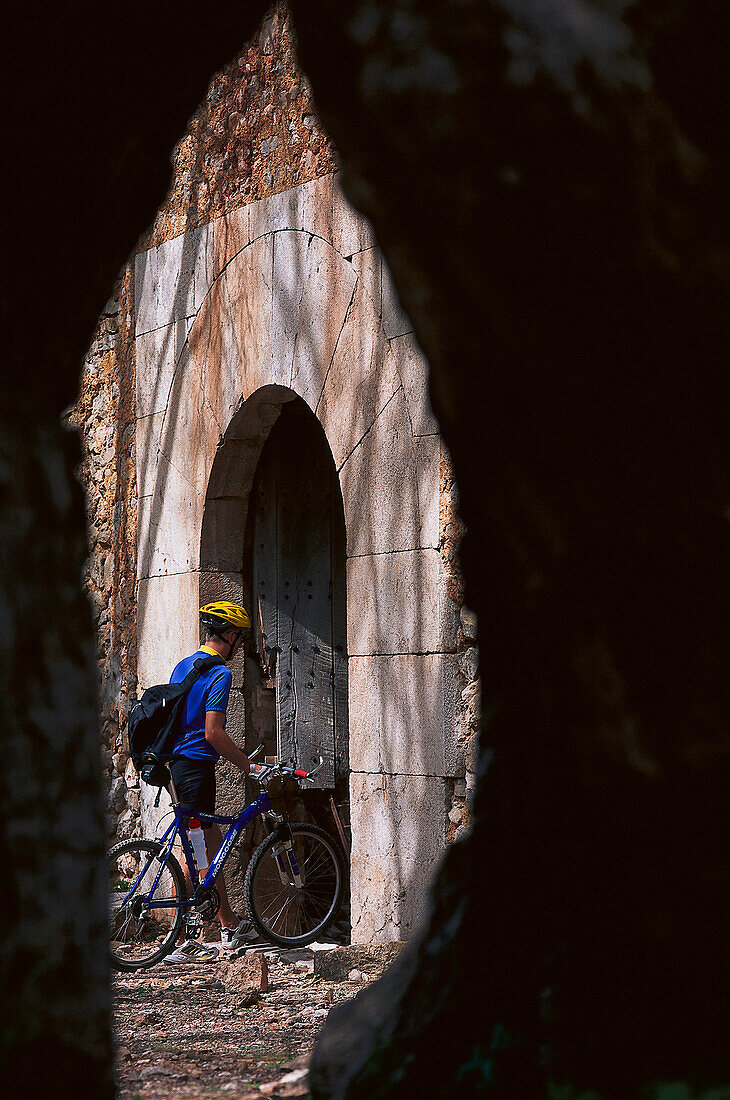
451, 532
290, 296
255, 226
104, 414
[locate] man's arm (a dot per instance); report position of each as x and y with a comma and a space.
216, 736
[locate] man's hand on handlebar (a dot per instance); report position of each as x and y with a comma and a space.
257, 770
262, 771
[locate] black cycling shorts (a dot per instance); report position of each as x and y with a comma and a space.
195, 783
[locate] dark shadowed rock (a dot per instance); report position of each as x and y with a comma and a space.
93, 109
547, 187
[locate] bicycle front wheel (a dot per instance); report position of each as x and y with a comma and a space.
144, 918
283, 910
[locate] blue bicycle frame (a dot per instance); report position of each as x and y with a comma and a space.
178, 827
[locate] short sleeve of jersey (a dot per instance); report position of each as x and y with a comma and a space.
218, 690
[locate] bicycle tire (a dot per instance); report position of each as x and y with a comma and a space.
285, 914
144, 939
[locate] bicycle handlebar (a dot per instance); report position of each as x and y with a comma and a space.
284, 769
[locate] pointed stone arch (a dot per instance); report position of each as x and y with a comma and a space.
290, 296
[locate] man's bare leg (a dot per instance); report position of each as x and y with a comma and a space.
226, 916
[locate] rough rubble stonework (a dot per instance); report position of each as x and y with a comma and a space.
256, 134
451, 533
105, 415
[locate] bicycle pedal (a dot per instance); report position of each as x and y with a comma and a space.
193, 929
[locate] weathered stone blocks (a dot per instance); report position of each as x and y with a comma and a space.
379, 480
222, 542
361, 381
351, 232
396, 604
148, 431
233, 469
217, 584
312, 292
395, 320
164, 282
398, 842
368, 266
169, 524
157, 353
413, 370
289, 296
167, 616
213, 346
402, 714
428, 452
248, 287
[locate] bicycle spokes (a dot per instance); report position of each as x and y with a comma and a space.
144, 892
293, 890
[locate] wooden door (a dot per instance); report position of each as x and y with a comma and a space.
298, 576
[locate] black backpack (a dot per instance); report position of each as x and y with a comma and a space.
152, 727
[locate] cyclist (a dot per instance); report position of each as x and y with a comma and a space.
202, 740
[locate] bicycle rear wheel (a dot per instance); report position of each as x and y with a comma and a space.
140, 936
283, 912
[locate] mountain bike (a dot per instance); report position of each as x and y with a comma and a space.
293, 886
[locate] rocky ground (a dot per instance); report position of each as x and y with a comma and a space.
241, 1029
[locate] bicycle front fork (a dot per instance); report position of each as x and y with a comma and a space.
286, 864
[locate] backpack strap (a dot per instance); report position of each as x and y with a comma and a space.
200, 667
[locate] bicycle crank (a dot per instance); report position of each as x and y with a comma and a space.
208, 903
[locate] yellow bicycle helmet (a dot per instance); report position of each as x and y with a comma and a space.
223, 614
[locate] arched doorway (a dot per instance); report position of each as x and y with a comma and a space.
294, 566
273, 538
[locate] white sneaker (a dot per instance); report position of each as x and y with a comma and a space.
190, 951
234, 937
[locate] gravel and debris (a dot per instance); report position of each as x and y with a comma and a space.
183, 1031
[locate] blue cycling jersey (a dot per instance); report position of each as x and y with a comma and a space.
210, 692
